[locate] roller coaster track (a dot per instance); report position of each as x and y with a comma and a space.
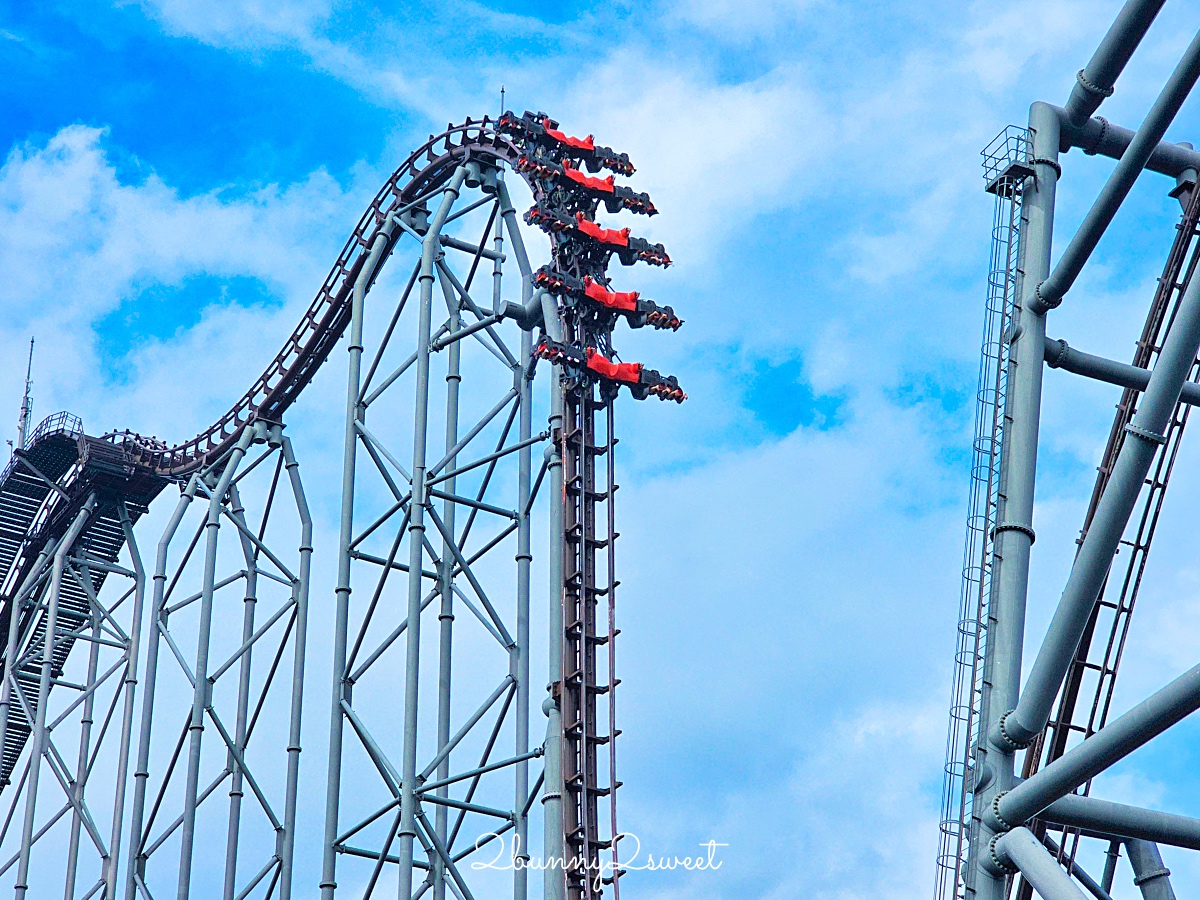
66, 491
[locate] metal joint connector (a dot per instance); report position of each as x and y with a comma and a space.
1094, 89
1146, 434
1041, 304
1059, 356
1094, 147
1151, 875
1014, 526
999, 863
1042, 160
1006, 826
1006, 738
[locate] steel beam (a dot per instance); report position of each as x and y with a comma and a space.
1024, 852
446, 577
1145, 434
1102, 138
554, 849
1059, 355
129, 708
407, 833
1095, 81
201, 694
136, 872
1077, 871
1149, 874
1121, 821
39, 731
1050, 292
354, 413
1114, 742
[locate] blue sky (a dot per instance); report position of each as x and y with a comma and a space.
179, 174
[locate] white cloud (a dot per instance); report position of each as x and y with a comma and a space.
77, 241
241, 23
808, 583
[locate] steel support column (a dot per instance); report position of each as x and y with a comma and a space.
1149, 874
39, 733
1014, 528
416, 536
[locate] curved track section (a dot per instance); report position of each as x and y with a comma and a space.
419, 177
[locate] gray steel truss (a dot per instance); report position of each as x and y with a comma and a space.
995, 818
164, 759
225, 667
436, 503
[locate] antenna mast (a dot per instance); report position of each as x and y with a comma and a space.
26, 401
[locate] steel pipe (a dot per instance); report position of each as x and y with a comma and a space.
39, 734
1095, 81
554, 847
1149, 874
1014, 515
1099, 137
201, 694
1050, 292
416, 536
1121, 821
137, 849
1091, 565
1114, 742
1059, 355
127, 714
1089, 883
1021, 850
340, 687
446, 575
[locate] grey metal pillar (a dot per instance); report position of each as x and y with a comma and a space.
554, 848
340, 687
141, 777
200, 697
1050, 292
39, 724
1110, 865
287, 839
1014, 532
416, 536
524, 551
128, 709
1095, 81
521, 651
446, 581
1091, 565
249, 603
1149, 874
82, 758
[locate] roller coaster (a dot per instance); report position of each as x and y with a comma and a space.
148, 751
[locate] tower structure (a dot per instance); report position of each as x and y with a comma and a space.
1022, 755
185, 711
